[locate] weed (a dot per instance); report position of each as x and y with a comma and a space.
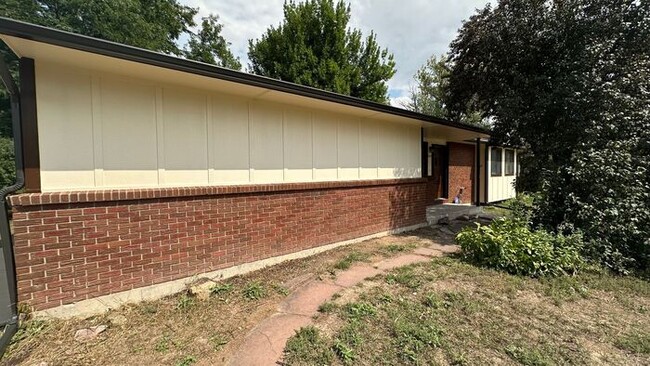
564, 288
345, 353
281, 289
221, 289
528, 356
186, 361
634, 342
327, 307
184, 302
433, 301
163, 344
353, 257
254, 291
218, 340
29, 329
359, 310
412, 337
308, 347
405, 277
149, 308
398, 248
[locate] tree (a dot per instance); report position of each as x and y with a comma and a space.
428, 95
569, 81
150, 24
313, 46
209, 46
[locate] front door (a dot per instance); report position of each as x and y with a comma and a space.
439, 167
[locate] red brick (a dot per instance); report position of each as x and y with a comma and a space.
107, 247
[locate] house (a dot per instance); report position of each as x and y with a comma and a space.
144, 170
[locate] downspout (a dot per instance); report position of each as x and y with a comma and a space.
6, 239
477, 173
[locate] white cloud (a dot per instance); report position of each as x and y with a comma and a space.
400, 102
412, 30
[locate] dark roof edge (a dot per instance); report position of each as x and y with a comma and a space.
75, 41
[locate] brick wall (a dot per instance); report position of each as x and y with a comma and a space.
74, 246
461, 171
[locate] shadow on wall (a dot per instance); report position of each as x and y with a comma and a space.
408, 201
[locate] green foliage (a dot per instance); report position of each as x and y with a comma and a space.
186, 361
313, 46
209, 46
528, 356
635, 342
428, 94
254, 291
7, 165
351, 258
184, 302
568, 81
163, 343
29, 329
221, 289
405, 277
307, 347
218, 340
510, 246
152, 24
327, 307
411, 338
357, 310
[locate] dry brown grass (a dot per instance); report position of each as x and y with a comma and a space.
180, 328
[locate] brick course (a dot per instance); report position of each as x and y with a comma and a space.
461, 171
79, 245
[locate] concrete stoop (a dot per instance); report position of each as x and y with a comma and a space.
451, 211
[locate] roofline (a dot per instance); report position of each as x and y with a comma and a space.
79, 42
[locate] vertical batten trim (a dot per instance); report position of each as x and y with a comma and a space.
359, 148
96, 107
313, 147
283, 140
160, 135
251, 171
209, 148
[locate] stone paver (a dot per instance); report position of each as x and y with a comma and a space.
355, 274
307, 299
401, 261
265, 344
428, 252
446, 248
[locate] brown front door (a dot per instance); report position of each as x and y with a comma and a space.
439, 166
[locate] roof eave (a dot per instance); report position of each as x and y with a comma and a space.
107, 48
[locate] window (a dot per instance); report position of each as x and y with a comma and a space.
495, 162
510, 162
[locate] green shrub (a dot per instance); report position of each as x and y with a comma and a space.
510, 245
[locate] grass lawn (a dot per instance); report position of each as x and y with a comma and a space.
448, 312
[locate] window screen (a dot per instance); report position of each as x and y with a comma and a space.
495, 162
510, 162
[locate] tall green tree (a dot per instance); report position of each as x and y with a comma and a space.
209, 46
568, 80
313, 46
150, 24
428, 94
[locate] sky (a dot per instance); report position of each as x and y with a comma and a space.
412, 30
